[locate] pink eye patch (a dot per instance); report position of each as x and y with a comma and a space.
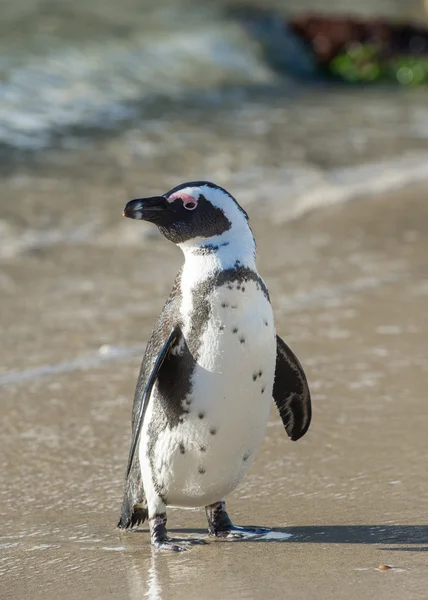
189, 202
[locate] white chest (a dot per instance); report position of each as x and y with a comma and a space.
206, 456
236, 358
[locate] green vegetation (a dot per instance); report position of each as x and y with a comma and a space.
363, 63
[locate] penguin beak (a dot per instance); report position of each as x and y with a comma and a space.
147, 209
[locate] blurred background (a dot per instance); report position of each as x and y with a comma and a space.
314, 115
145, 93
136, 96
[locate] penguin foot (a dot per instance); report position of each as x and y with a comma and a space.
161, 541
220, 525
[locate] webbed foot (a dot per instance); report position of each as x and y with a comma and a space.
161, 541
220, 525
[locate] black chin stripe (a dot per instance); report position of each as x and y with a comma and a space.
209, 249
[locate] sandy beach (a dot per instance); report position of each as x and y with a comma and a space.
349, 286
102, 102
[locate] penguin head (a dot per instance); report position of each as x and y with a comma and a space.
192, 213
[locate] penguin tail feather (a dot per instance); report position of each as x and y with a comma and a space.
130, 519
134, 507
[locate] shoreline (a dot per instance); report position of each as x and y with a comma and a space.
349, 289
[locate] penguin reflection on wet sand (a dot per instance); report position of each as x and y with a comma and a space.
211, 367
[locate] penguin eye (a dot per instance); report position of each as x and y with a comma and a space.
189, 205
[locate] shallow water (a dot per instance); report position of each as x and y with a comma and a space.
102, 66
131, 100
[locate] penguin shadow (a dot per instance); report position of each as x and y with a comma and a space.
390, 535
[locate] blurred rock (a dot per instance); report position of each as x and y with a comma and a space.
346, 48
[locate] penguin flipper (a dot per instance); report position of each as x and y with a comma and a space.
134, 509
170, 340
291, 392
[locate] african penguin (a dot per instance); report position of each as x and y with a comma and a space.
211, 367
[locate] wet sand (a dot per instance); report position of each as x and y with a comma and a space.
349, 286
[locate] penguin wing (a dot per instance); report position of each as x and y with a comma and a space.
134, 505
138, 416
291, 392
